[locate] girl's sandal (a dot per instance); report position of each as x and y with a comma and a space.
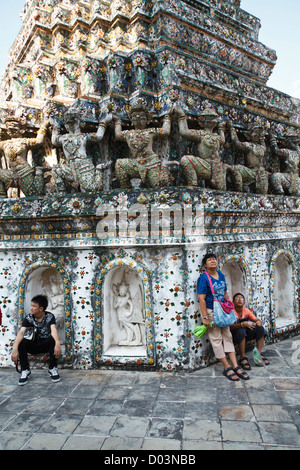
244, 363
266, 361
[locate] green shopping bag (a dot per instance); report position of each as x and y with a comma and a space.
199, 331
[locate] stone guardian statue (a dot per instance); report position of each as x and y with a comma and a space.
207, 166
255, 150
18, 172
79, 170
287, 182
143, 162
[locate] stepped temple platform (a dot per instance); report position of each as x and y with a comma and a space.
136, 137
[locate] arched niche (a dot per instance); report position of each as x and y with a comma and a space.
36, 278
47, 281
284, 310
109, 332
124, 320
235, 279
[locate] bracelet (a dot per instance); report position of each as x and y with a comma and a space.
205, 318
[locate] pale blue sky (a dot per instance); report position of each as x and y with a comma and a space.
280, 31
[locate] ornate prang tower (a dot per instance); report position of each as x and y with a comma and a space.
115, 51
98, 258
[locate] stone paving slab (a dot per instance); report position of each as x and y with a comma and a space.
114, 410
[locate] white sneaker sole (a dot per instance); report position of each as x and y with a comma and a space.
55, 380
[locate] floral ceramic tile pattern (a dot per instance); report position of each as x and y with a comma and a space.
101, 58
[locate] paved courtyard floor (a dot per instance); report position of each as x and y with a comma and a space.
183, 411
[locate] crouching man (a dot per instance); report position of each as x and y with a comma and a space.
38, 334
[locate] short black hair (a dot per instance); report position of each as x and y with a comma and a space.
41, 300
207, 256
238, 293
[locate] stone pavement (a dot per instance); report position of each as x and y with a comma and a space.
128, 410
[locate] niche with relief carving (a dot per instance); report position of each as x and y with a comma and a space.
235, 279
47, 281
124, 320
284, 311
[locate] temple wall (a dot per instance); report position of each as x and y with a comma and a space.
82, 276
118, 259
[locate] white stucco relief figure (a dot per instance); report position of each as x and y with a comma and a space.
51, 284
129, 313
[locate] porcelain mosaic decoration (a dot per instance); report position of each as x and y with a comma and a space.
135, 137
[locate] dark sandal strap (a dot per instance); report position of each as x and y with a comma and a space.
230, 376
265, 359
244, 363
243, 375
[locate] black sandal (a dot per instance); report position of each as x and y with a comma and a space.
266, 361
241, 375
230, 376
244, 363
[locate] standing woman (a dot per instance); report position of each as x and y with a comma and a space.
220, 338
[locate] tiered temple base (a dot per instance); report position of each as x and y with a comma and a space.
81, 249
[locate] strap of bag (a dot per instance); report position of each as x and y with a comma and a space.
210, 283
17, 367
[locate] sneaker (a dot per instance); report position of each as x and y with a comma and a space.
54, 374
25, 375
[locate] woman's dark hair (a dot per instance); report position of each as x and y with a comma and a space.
41, 300
238, 293
207, 256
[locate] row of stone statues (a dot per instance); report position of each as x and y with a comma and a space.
143, 164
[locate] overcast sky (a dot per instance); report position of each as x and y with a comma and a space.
280, 31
